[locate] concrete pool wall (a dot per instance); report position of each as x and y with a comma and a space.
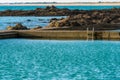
61, 34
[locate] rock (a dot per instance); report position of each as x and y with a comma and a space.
29, 20
51, 10
9, 28
52, 24
50, 7
115, 21
59, 24
17, 27
106, 19
75, 23
86, 16
38, 9
89, 19
37, 28
48, 11
53, 19
54, 11
47, 7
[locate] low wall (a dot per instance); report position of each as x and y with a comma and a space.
8, 34
53, 34
106, 35
97, 35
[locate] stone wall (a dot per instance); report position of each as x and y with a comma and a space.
8, 34
61, 34
84, 35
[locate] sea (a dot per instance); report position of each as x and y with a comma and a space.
38, 21
2, 8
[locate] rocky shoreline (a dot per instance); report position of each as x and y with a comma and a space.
108, 19
99, 19
51, 11
48, 11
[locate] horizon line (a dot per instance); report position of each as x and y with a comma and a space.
65, 2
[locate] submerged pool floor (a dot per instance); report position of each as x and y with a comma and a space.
24, 59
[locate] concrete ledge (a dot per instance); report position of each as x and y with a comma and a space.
52, 34
61, 34
8, 34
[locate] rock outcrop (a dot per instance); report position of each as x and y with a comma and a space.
48, 11
77, 19
17, 27
53, 11
99, 19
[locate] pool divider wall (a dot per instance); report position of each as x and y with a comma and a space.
49, 34
61, 34
8, 34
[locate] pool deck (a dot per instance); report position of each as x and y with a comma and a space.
61, 34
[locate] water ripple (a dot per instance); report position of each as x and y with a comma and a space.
59, 60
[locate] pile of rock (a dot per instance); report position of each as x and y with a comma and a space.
17, 27
54, 11
48, 11
96, 19
21, 27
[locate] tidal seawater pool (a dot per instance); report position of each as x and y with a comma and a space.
28, 21
25, 59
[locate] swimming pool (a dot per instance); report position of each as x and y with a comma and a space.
25, 59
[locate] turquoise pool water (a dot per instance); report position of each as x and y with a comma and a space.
26, 59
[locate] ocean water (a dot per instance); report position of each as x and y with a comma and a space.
26, 59
35, 21
2, 8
